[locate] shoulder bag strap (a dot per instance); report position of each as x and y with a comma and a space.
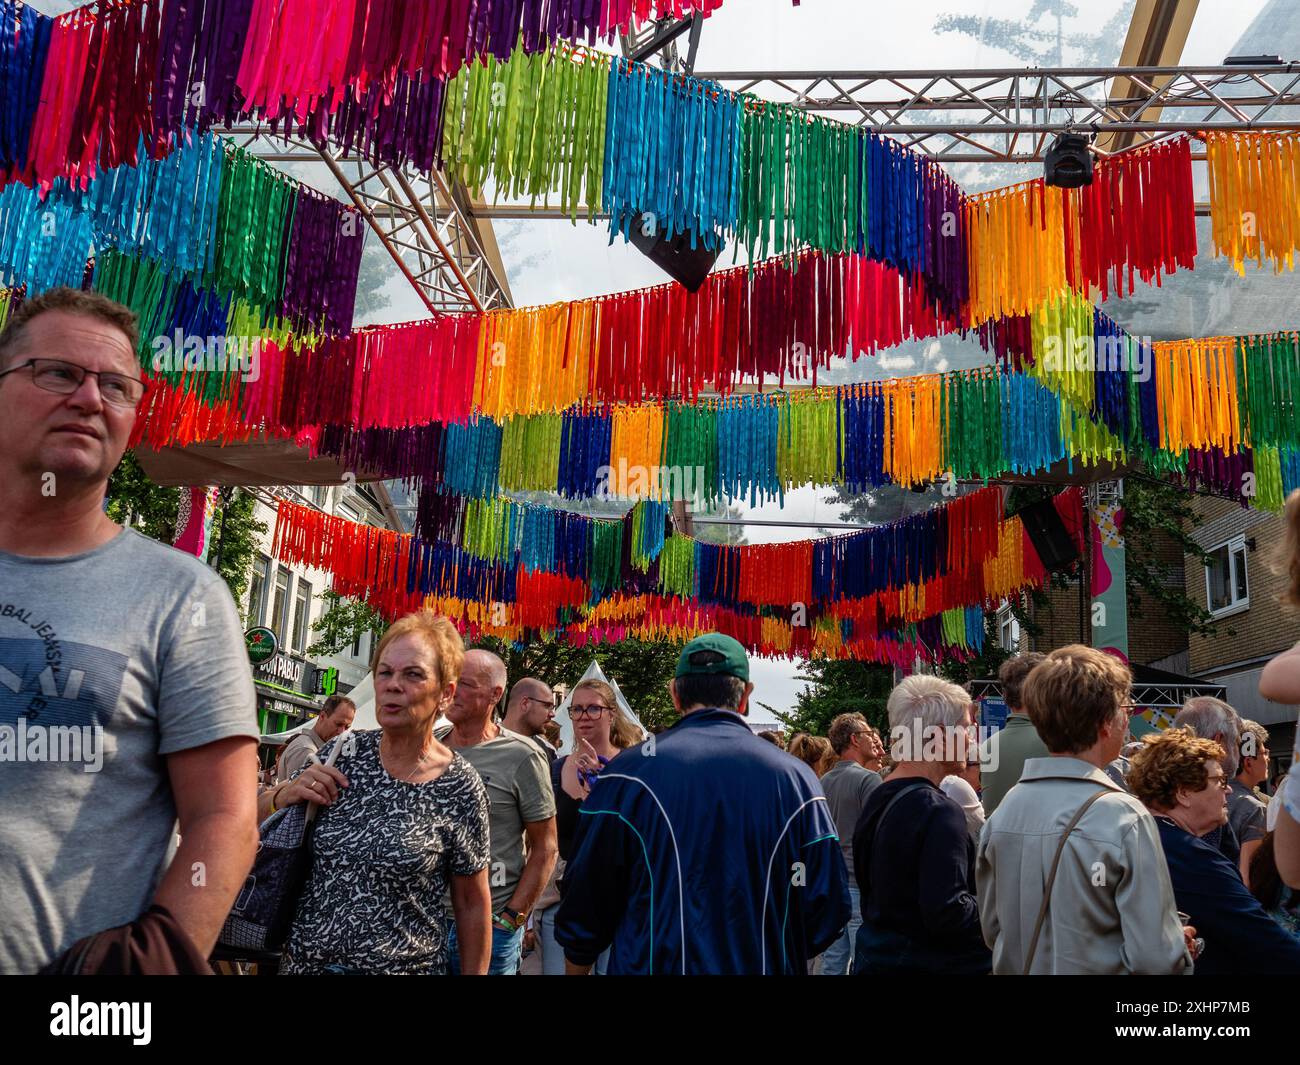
884, 812
1051, 877
342, 738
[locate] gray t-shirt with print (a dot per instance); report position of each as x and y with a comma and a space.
518, 782
109, 661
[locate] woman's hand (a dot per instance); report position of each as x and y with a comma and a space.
316, 783
570, 781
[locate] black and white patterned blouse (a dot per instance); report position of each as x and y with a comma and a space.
382, 860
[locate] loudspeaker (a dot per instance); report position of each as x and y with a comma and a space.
674, 255
1048, 534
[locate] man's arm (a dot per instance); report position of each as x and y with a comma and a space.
542, 853
1279, 681
215, 789
826, 901
471, 901
1286, 842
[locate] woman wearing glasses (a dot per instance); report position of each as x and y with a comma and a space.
600, 732
1180, 779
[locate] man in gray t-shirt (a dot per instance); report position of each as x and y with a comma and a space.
1247, 812
847, 786
126, 701
521, 806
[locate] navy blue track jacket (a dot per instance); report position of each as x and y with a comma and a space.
707, 851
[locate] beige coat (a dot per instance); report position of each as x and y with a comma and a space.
1112, 908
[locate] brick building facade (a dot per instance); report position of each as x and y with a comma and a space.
1246, 585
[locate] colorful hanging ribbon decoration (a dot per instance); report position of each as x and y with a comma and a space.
658, 343
673, 153
210, 215
519, 570
1153, 404
85, 87
1255, 197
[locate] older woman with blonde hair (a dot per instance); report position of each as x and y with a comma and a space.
402, 818
912, 855
600, 732
1180, 777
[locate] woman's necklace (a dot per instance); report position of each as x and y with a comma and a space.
418, 766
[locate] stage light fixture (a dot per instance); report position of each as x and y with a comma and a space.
674, 254
1068, 163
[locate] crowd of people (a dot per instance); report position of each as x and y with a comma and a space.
453, 836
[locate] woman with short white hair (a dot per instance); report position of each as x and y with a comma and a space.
912, 854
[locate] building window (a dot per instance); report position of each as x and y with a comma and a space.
301, 616
356, 646
1226, 586
257, 592
1009, 632
1008, 628
279, 606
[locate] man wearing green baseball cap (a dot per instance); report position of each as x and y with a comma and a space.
705, 849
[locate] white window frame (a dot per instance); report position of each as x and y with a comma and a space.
301, 623
1004, 619
1235, 605
257, 610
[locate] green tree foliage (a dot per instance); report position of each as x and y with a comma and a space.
235, 533
839, 686
643, 669
135, 500
152, 510
341, 623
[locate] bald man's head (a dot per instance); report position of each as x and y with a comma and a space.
531, 706
480, 688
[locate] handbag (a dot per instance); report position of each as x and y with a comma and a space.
261, 915
264, 909
1051, 877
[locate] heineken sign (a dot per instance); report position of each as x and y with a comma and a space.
261, 644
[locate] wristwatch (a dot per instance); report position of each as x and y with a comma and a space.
508, 919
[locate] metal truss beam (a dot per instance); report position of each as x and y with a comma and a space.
1151, 695
660, 37
428, 227
1009, 115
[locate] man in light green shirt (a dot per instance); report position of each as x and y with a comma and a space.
1003, 754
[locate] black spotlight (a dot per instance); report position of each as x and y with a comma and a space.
674, 255
1068, 163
